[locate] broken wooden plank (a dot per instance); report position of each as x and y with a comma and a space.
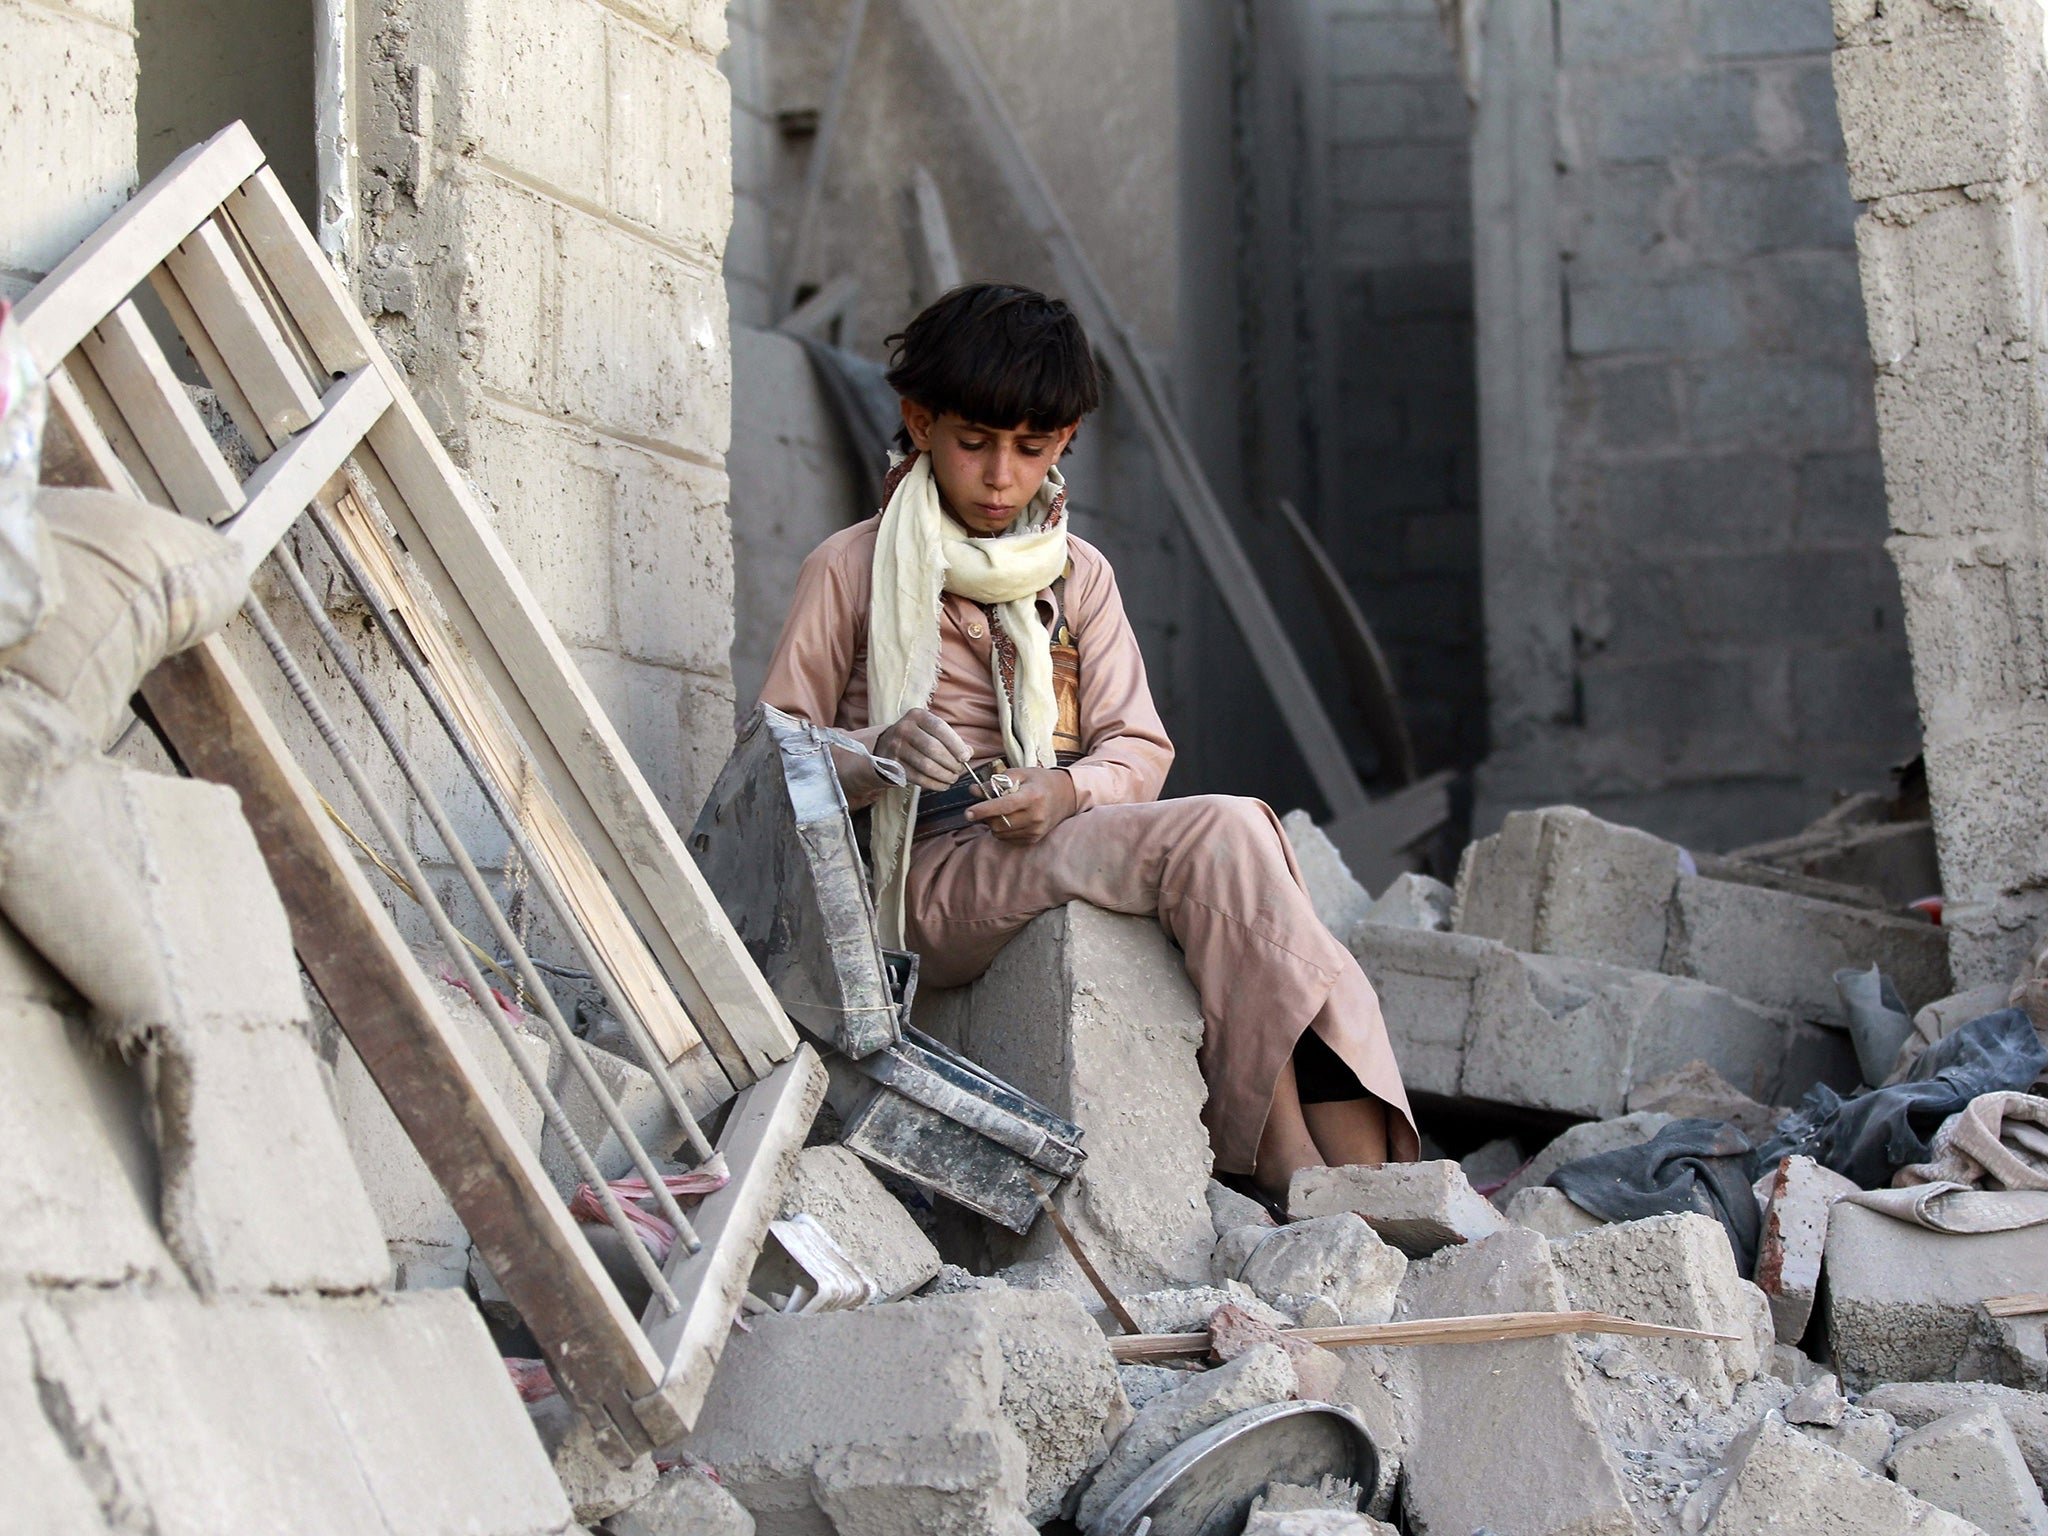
2027, 1304
1488, 1328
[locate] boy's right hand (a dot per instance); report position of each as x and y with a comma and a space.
930, 750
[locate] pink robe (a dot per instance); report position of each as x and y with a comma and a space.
1216, 870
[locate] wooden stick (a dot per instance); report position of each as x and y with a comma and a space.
2026, 1304
1490, 1328
1109, 1297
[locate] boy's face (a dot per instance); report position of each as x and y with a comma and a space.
986, 475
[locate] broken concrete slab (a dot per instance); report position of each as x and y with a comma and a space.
1233, 1331
1377, 1387
1092, 1014
1337, 1257
593, 1485
1589, 1138
1862, 1436
1264, 1375
1969, 1464
1551, 1212
886, 1420
1901, 1300
2011, 1351
1472, 1019
1776, 1479
1315, 1522
1504, 1435
1142, 1383
1676, 1270
1563, 882
640, 1100
1417, 1207
1340, 901
1799, 1193
1414, 901
1696, 1091
1228, 1209
1187, 1310
1915, 1403
684, 1503
836, 1189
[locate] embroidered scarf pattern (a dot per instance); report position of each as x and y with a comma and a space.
922, 553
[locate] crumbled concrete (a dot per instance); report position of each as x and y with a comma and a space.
1414, 901
1901, 1300
684, 1503
1819, 1402
1799, 1193
1233, 1331
1142, 1383
1093, 1015
1315, 1522
1504, 1435
1187, 1311
1551, 1212
1417, 1207
1862, 1436
870, 1225
1589, 1138
1969, 1464
1340, 901
1777, 1480
1228, 1209
887, 1420
1337, 1257
1916, 1403
1265, 1375
1696, 1091
594, 1486
2012, 1351
1677, 1270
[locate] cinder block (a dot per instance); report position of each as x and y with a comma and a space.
669, 148
1336, 1257
1092, 1013
1505, 1437
55, 1491
1942, 108
524, 461
1700, 114
1901, 1298
1752, 210
1679, 315
1676, 1270
1608, 31
1417, 1207
834, 1187
594, 1485
513, 285
701, 24
1589, 1138
1914, 1403
1340, 901
1776, 1479
1970, 1465
882, 1420
1743, 29
1795, 1234
641, 1103
672, 561
537, 101
73, 87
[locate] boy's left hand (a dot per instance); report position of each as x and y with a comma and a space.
1043, 798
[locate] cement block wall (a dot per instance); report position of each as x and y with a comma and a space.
1944, 112
1691, 622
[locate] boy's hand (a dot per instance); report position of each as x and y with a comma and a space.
1043, 798
930, 750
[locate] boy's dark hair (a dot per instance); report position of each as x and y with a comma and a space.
998, 356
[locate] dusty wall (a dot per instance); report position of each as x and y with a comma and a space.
1691, 624
1946, 116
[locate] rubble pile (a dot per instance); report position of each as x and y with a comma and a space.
1622, 1041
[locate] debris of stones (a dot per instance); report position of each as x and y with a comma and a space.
1797, 1196
1970, 1465
839, 1192
1337, 1257
1551, 1212
1417, 1207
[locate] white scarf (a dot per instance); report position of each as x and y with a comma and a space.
921, 552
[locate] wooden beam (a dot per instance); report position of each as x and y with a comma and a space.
2027, 1304
279, 490
161, 415
115, 436
938, 257
1490, 1328
1208, 527
236, 322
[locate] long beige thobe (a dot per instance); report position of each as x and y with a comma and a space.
1216, 870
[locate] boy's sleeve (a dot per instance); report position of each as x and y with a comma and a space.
814, 657
1126, 749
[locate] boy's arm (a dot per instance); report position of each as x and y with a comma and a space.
1126, 749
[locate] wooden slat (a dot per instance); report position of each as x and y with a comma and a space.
419, 1061
234, 317
939, 257
763, 1134
114, 431
1489, 1328
578, 751
117, 257
102, 463
211, 363
1208, 527
292, 262
2027, 1304
165, 422
279, 490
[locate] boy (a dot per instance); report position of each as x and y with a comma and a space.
967, 634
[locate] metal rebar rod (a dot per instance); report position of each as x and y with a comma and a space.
444, 929
480, 891
551, 891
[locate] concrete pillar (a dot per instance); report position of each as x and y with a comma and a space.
1943, 111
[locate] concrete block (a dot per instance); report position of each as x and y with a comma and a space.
1264, 1375
1945, 107
1969, 1464
1187, 1309
1862, 1436
1413, 901
524, 461
1901, 1299
1677, 1270
1752, 210
1318, 1372
1660, 115
1340, 901
1607, 31
2012, 1351
672, 561
1743, 29
537, 101
1679, 315
1799, 1192
669, 149
1589, 1138
869, 1224
1776, 1479
513, 286
640, 1100
1417, 1207
73, 84
1377, 1386
878, 1422
1492, 1165
1504, 1435
1337, 1257
1551, 1212
1917, 1403
1229, 1209
594, 1486
1092, 1013
684, 1503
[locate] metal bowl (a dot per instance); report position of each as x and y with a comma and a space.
1205, 1485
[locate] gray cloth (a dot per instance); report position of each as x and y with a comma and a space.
1690, 1165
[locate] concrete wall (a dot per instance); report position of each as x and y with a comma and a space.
1691, 623
1946, 112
